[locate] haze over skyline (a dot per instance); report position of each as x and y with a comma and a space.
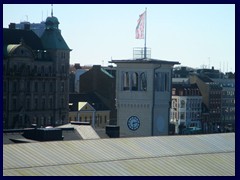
194, 35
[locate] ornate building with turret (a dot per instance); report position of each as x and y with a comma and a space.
35, 76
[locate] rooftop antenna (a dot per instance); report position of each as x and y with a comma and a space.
208, 62
223, 67
220, 67
227, 66
27, 17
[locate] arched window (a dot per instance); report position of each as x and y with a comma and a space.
126, 81
143, 82
135, 81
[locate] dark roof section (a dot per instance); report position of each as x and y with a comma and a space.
52, 39
178, 85
147, 61
15, 36
16, 136
185, 88
91, 98
205, 78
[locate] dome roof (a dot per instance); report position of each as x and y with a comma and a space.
52, 22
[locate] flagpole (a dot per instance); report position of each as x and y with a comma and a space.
145, 36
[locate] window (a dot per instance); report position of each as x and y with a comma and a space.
4, 69
36, 104
62, 103
43, 86
14, 104
14, 86
143, 82
126, 82
51, 87
166, 82
4, 104
173, 91
5, 86
62, 87
28, 86
182, 104
135, 81
50, 103
50, 69
42, 69
35, 69
43, 103
162, 81
105, 119
14, 68
39, 54
36, 87
182, 115
28, 104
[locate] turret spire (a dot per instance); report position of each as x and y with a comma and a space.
52, 11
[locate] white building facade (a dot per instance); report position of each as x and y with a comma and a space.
143, 96
186, 110
186, 105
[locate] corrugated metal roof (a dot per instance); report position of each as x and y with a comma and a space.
212, 154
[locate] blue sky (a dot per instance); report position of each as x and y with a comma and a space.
194, 35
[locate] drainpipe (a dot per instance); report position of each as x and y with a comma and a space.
78, 115
170, 102
93, 122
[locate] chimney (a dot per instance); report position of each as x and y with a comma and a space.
26, 26
12, 26
77, 66
96, 67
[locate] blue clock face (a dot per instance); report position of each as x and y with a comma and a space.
133, 123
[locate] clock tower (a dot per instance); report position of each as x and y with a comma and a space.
143, 96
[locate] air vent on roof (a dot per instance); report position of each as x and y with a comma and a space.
80, 123
112, 131
44, 134
12, 26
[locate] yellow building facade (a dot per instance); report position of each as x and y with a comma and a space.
87, 113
